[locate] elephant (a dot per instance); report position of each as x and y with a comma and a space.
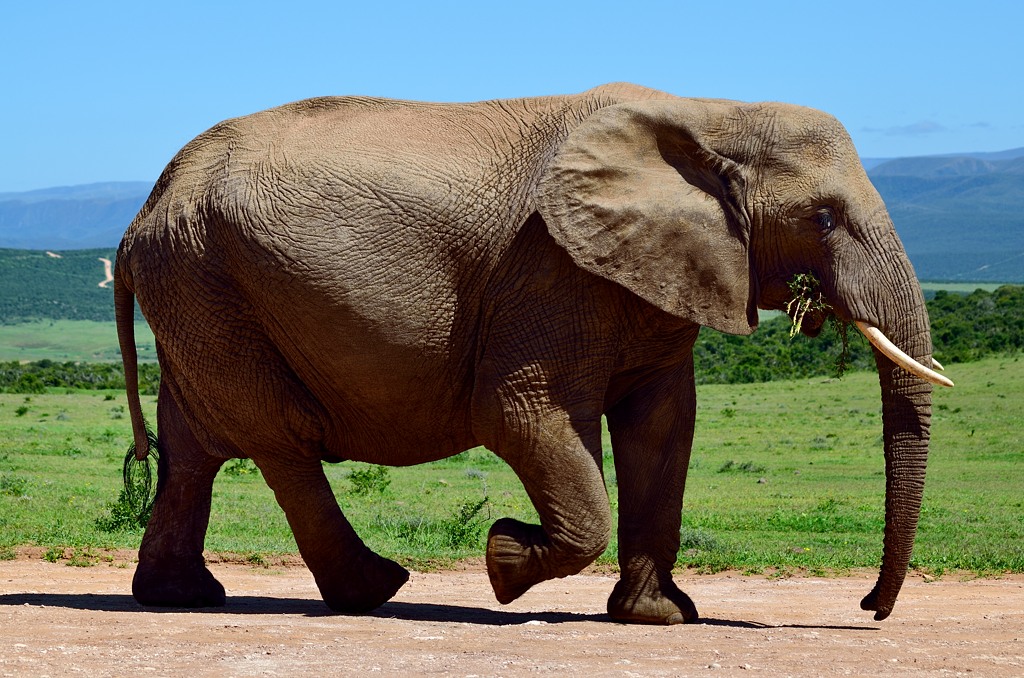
394, 282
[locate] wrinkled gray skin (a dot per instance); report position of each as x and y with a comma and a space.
395, 282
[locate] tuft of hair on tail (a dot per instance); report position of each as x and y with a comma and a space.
140, 478
140, 464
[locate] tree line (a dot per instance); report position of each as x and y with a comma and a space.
964, 328
42, 375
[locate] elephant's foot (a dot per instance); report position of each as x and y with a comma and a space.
176, 586
514, 560
650, 600
370, 583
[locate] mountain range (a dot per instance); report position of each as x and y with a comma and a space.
960, 216
70, 217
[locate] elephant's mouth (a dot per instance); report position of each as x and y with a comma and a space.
812, 323
801, 298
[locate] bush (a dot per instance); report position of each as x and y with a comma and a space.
366, 482
37, 377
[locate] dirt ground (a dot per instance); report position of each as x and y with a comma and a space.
60, 620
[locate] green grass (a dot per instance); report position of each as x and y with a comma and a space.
821, 502
784, 476
76, 340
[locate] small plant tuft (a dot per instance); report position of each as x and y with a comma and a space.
370, 481
696, 539
241, 467
82, 558
12, 486
123, 515
256, 560
737, 467
479, 475
464, 528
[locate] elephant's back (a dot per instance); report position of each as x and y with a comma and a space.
352, 239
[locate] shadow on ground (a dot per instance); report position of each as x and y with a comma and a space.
423, 612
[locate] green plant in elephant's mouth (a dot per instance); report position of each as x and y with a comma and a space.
806, 297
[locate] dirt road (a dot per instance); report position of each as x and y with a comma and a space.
60, 620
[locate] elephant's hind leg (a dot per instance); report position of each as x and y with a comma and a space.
171, 570
351, 578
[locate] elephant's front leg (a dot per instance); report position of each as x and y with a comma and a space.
557, 460
652, 432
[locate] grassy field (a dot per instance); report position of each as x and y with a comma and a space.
962, 287
75, 340
784, 476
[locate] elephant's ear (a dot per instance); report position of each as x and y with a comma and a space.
638, 194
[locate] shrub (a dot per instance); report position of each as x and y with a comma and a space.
369, 481
745, 467
123, 515
12, 486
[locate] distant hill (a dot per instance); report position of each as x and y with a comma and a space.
70, 217
960, 216
871, 163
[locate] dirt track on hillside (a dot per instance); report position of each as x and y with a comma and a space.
60, 620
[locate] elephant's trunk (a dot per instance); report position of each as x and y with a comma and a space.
906, 420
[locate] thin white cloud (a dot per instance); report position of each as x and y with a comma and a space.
916, 129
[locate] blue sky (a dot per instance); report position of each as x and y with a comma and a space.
109, 91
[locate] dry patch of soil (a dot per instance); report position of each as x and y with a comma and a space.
60, 620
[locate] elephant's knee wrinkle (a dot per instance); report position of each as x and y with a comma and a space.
571, 552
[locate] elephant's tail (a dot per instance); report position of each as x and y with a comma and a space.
139, 489
124, 313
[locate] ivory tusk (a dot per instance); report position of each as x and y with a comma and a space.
882, 343
937, 365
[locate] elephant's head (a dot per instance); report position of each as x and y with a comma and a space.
707, 208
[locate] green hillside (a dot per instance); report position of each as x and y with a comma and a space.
960, 218
62, 285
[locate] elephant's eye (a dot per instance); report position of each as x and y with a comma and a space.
826, 219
